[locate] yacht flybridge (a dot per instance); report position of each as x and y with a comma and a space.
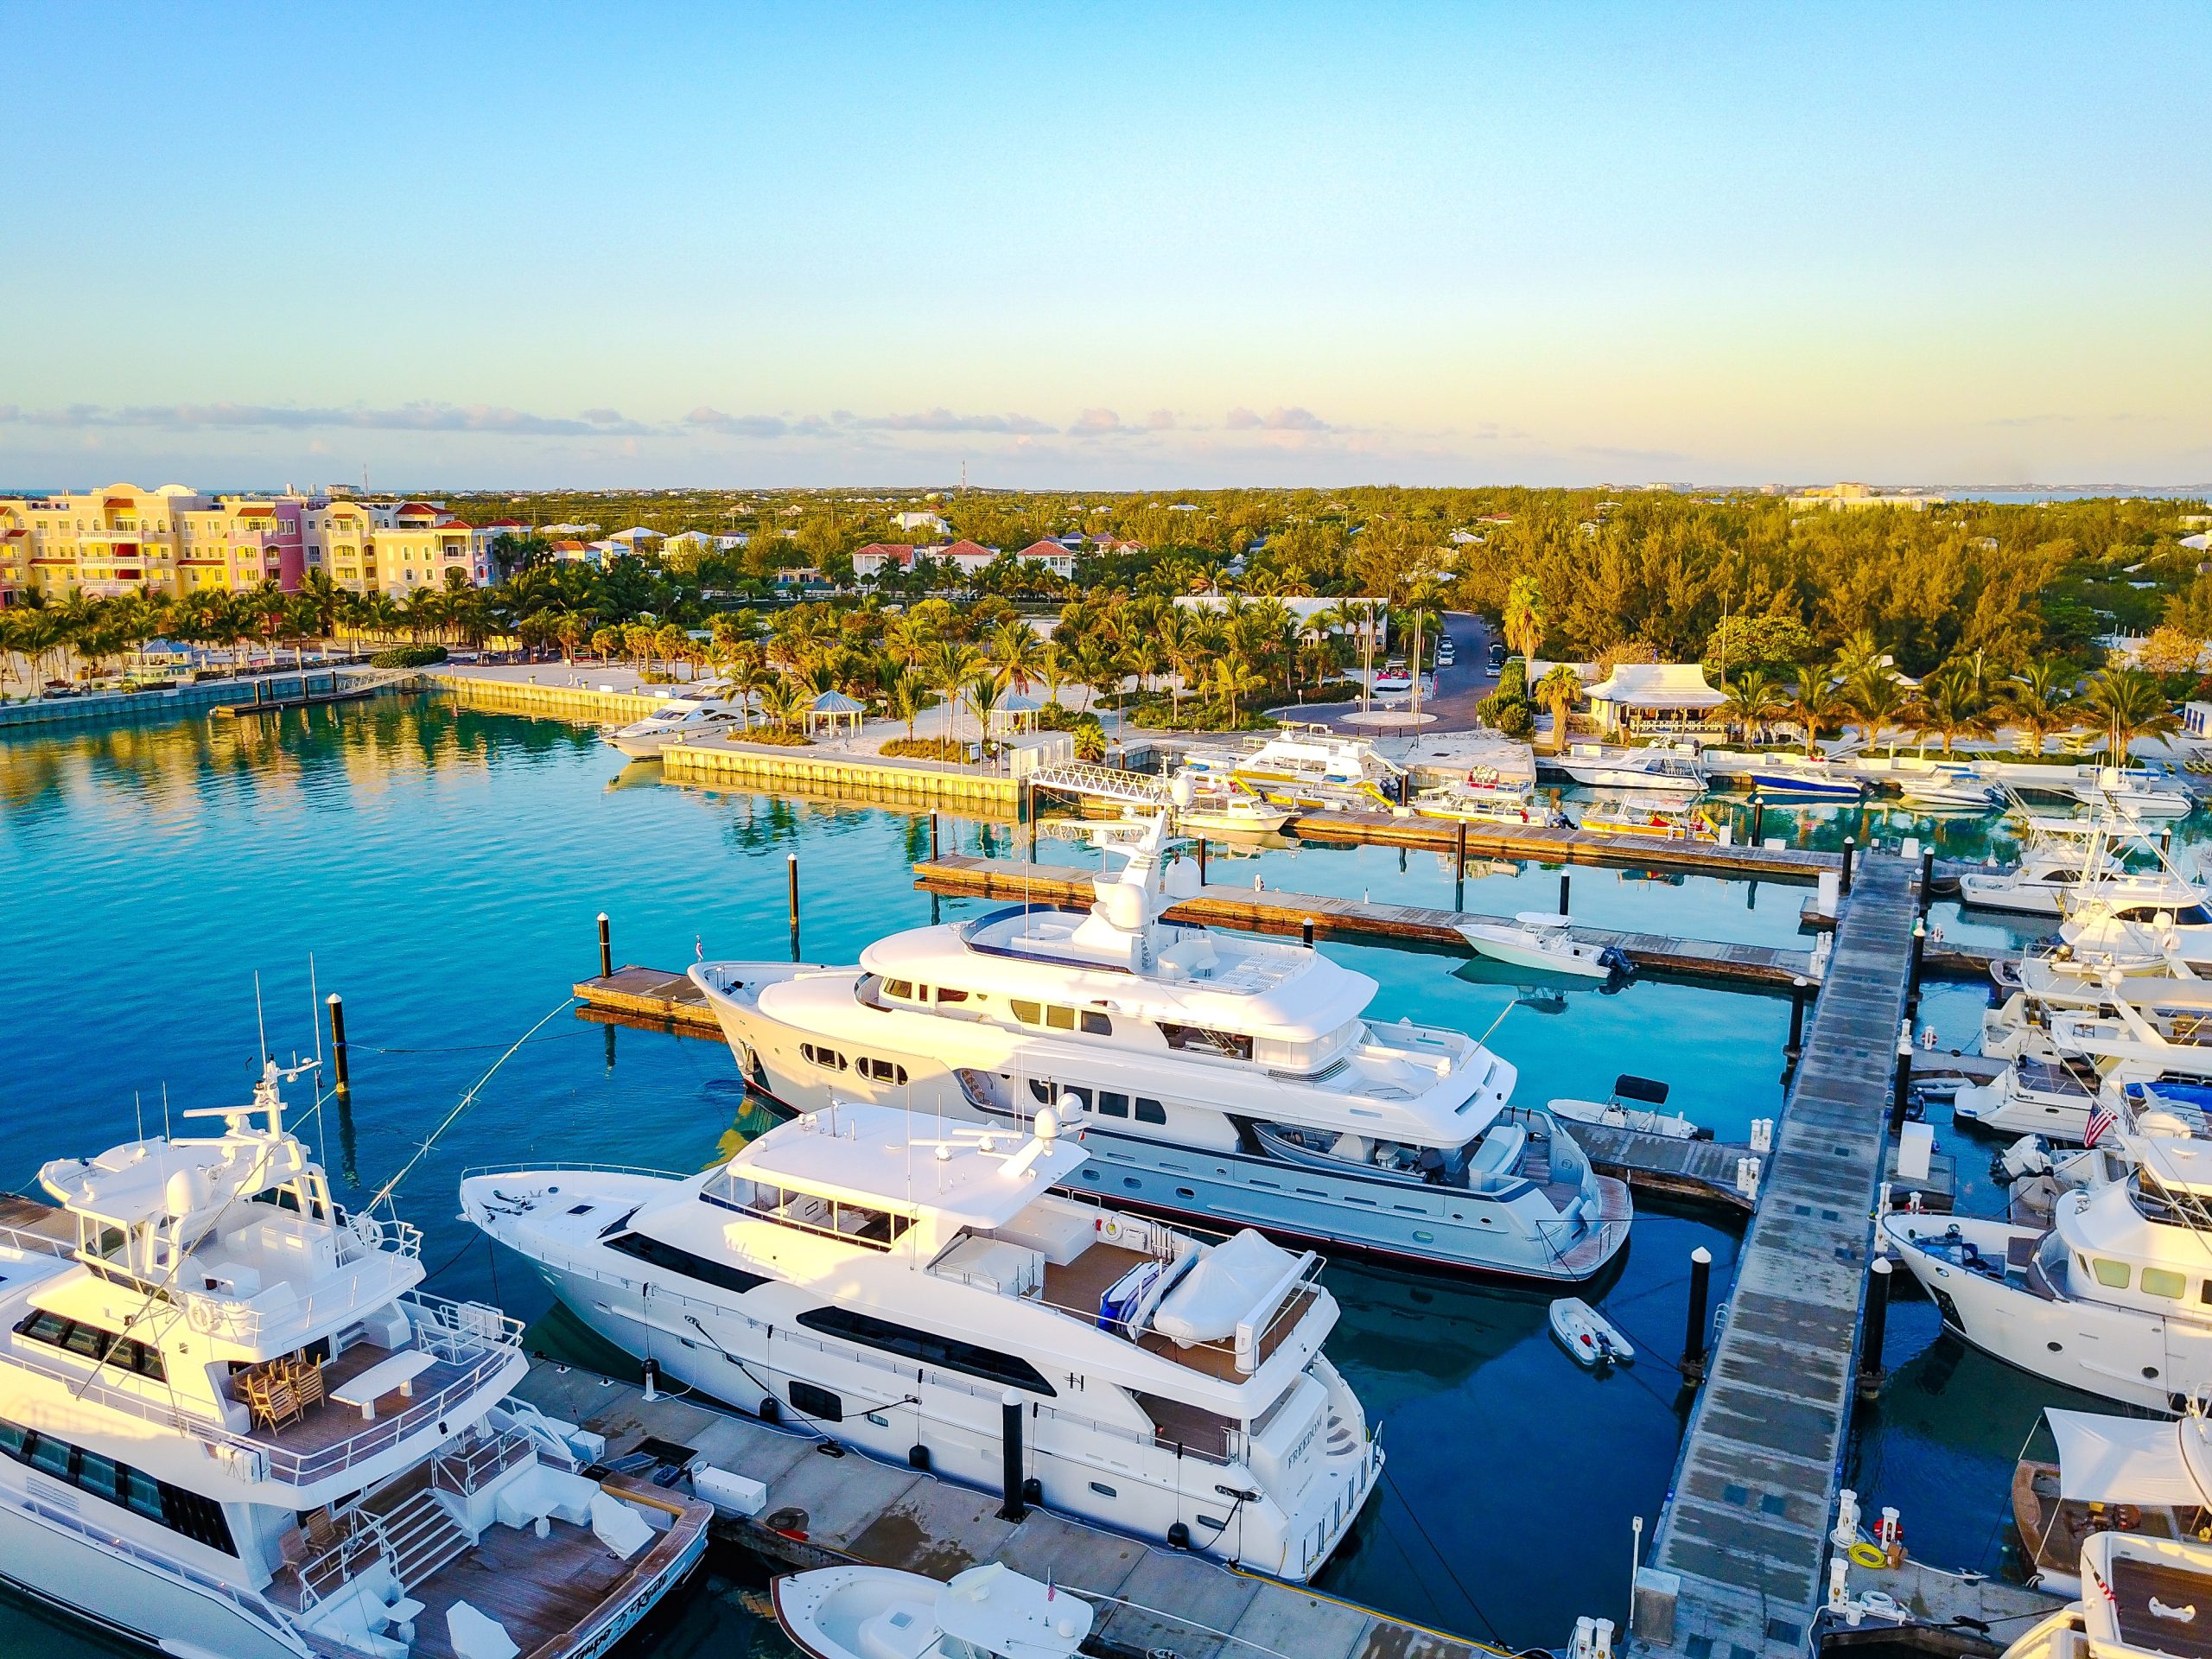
1231, 1079
232, 1422
902, 1292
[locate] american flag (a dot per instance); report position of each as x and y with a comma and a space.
2101, 1117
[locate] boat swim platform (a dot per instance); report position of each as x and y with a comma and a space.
1737, 1568
833, 1511
1266, 910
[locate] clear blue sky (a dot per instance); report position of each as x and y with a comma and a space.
1105, 245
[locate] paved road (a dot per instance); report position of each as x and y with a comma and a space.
1458, 688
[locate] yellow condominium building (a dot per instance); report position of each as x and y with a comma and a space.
175, 541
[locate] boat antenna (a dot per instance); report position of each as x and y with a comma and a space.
260, 1024
138, 1105
315, 1022
165, 1109
1511, 1003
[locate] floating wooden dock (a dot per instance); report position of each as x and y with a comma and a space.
1736, 1565
1264, 911
284, 705
826, 1512
651, 997
1704, 1171
1562, 845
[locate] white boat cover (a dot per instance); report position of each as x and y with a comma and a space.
2129, 1460
1223, 1290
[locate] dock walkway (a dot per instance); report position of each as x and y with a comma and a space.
825, 1510
1562, 844
1262, 910
1744, 1534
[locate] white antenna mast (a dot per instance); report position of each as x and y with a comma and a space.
260, 1025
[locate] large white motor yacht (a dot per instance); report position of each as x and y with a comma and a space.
894, 1289
2110, 1298
1234, 1080
231, 1423
681, 719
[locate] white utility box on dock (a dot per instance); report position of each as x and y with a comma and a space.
1916, 1147
730, 1494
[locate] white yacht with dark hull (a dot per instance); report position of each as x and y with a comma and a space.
233, 1424
900, 1292
1234, 1080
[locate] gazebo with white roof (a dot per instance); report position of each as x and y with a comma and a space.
1014, 711
833, 706
1634, 689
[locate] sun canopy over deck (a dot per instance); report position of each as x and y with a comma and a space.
2130, 1460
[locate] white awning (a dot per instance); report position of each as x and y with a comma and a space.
2122, 1460
1657, 685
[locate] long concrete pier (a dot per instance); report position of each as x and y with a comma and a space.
1736, 1565
825, 1510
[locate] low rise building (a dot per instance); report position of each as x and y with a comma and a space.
1843, 497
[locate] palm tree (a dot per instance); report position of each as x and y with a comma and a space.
1013, 654
1753, 700
1951, 706
2038, 701
2128, 703
1422, 610
1813, 706
950, 666
1182, 643
1877, 702
907, 694
1235, 679
1859, 653
1525, 620
1559, 691
780, 699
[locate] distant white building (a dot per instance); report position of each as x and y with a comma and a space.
1842, 498
928, 521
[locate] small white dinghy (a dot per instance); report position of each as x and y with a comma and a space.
1588, 1335
1538, 939
1646, 1118
879, 1612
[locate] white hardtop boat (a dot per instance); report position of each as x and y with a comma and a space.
1676, 768
2150, 1478
1482, 796
890, 1288
2134, 791
1614, 1112
879, 1613
682, 718
232, 1422
1305, 765
1215, 805
1218, 1077
2120, 921
2111, 1298
2149, 1598
1546, 941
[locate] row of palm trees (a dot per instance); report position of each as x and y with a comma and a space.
1958, 700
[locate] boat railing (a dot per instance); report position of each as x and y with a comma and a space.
477, 1462
495, 1171
30, 1243
477, 1338
251, 1604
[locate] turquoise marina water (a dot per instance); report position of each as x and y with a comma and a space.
442, 869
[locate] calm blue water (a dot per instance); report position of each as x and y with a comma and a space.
442, 869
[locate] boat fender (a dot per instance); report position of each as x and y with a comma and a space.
918, 1457
1868, 1556
771, 1409
1179, 1536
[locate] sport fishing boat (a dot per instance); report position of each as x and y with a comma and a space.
1800, 776
1540, 939
1223, 807
1307, 767
1218, 1077
232, 1422
2116, 919
2109, 1299
1677, 768
2133, 792
989, 1611
679, 721
899, 1292
1662, 821
2149, 1477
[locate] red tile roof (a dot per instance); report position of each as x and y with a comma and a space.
900, 553
964, 549
1042, 549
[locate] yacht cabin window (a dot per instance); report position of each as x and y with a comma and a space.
828, 1059
2113, 1275
2164, 1282
1059, 1019
883, 1071
90, 1341
949, 1353
899, 988
188, 1513
1199, 1040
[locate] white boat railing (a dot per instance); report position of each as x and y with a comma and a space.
249, 1604
476, 1337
